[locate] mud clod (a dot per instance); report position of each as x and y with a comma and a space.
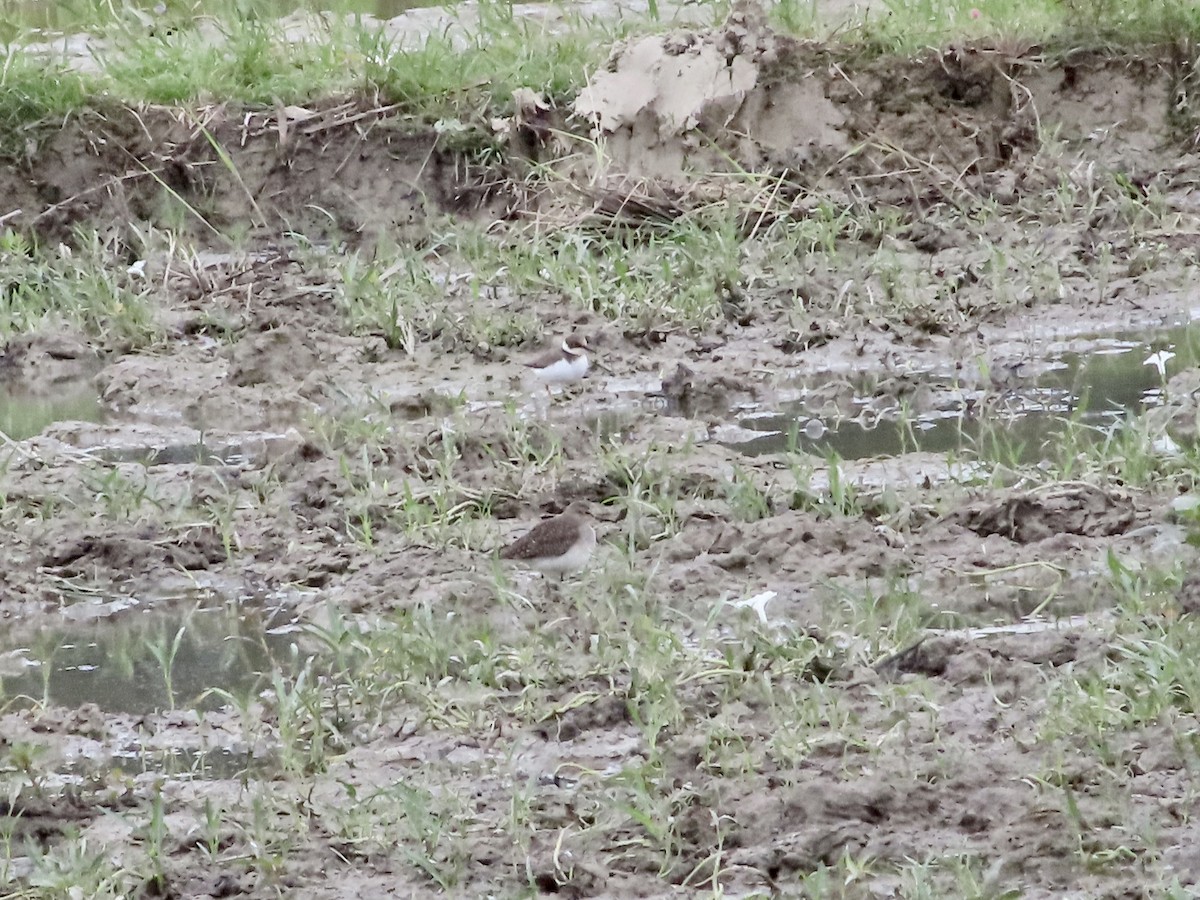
193, 550
1030, 517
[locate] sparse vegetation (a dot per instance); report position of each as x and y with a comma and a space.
891, 593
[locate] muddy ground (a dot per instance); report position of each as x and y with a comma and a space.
267, 450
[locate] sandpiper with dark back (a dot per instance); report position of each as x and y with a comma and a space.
558, 546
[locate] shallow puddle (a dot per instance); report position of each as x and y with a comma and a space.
145, 661
23, 415
199, 453
1017, 415
207, 765
151, 445
179, 763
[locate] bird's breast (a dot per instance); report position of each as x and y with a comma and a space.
564, 370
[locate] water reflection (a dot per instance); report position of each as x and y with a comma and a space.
24, 414
145, 661
1020, 419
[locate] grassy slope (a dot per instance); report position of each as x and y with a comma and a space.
229, 54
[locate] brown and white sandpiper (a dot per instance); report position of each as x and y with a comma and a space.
563, 365
558, 546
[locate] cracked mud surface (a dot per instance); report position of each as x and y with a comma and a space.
270, 450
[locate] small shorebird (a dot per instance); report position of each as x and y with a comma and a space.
557, 546
563, 365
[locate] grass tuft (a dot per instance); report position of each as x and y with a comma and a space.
86, 286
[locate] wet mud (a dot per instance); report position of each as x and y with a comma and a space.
844, 445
